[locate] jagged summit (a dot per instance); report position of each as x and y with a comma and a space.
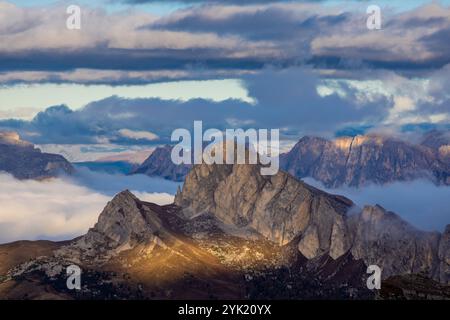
285, 210
364, 159
124, 195
280, 207
124, 223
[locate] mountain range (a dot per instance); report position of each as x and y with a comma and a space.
232, 233
361, 160
352, 161
159, 164
24, 161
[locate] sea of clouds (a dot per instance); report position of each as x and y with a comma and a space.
64, 208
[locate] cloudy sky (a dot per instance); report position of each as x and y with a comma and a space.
138, 69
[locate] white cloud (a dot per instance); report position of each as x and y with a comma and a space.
53, 209
98, 152
25, 101
146, 135
159, 198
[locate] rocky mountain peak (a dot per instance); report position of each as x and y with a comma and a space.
286, 210
159, 164
124, 223
279, 207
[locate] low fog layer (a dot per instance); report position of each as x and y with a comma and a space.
60, 209
110, 184
419, 202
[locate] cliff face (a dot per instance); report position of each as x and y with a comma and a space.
362, 160
354, 161
286, 210
23, 161
160, 164
279, 207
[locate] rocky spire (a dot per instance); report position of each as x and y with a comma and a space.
123, 223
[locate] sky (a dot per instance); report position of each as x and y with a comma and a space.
138, 69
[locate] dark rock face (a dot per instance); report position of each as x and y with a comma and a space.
159, 164
360, 160
413, 287
24, 161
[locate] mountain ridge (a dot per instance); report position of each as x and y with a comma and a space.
361, 160
233, 233
353, 161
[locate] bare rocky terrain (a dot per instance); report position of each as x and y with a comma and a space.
234, 234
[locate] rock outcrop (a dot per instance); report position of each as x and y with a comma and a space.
361, 160
24, 161
123, 224
285, 210
139, 250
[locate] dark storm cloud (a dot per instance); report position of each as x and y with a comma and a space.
125, 59
218, 37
